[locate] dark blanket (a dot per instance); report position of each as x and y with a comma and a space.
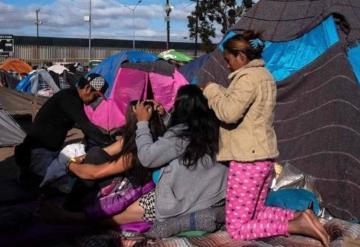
317, 123
317, 117
318, 128
281, 20
284, 20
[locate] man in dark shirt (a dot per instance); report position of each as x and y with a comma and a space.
54, 119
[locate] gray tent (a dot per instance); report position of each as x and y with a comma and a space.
10, 132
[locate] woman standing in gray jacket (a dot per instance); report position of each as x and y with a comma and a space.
190, 178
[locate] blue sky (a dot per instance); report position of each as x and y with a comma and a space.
111, 18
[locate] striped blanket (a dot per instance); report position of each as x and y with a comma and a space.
342, 233
317, 124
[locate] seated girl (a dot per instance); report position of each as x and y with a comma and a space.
101, 166
190, 178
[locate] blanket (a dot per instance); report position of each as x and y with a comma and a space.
342, 233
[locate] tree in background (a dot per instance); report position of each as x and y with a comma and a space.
208, 14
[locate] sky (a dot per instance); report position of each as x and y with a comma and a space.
114, 19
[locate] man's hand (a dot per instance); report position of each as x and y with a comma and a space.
80, 159
143, 112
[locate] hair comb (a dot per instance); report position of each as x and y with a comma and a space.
256, 43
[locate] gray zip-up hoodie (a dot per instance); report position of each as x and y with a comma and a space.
180, 190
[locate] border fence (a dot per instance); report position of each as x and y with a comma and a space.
45, 49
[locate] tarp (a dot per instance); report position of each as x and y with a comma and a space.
354, 58
174, 55
10, 132
109, 66
17, 65
36, 81
285, 58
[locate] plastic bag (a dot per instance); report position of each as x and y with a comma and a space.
291, 177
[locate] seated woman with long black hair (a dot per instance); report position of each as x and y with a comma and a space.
190, 178
101, 166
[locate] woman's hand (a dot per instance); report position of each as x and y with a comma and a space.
143, 112
159, 108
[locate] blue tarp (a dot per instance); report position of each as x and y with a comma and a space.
24, 85
37, 80
226, 38
285, 58
354, 58
109, 66
140, 56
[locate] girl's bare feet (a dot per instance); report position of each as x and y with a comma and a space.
304, 225
317, 223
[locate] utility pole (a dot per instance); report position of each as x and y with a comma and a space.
37, 22
168, 26
196, 27
167, 19
90, 20
133, 20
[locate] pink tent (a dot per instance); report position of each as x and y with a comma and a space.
132, 84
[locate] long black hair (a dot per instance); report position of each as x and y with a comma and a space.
202, 132
138, 174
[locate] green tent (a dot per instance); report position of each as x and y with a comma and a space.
175, 55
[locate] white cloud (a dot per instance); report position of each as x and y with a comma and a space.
110, 18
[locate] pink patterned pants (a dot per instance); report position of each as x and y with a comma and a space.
247, 217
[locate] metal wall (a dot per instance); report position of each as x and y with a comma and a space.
68, 54
44, 49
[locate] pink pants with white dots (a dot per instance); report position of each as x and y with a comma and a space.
247, 217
